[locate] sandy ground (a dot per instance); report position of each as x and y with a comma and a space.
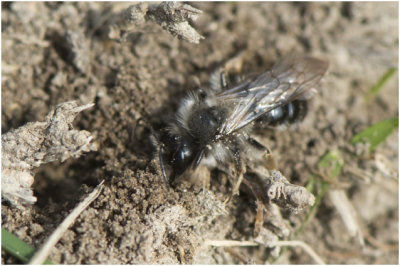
135, 219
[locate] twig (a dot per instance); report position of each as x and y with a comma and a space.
259, 218
29, 40
383, 247
229, 243
237, 255
292, 243
44, 251
342, 255
279, 190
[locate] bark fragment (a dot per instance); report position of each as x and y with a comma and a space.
173, 17
36, 143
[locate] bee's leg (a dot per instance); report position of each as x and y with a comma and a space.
155, 141
201, 93
240, 169
198, 158
139, 122
140, 131
161, 158
267, 159
204, 175
259, 218
201, 172
267, 164
219, 80
223, 79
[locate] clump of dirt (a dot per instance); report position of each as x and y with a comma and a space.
137, 84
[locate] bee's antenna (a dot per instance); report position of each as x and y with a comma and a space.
161, 158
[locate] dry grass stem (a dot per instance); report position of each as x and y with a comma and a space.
44, 251
347, 213
229, 243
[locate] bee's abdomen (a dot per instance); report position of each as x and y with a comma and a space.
293, 112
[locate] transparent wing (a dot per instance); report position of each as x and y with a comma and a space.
290, 79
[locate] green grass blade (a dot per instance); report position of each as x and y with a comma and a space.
381, 82
310, 186
376, 133
333, 163
18, 248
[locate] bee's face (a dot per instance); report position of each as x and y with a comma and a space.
184, 145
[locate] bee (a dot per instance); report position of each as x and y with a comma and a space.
213, 126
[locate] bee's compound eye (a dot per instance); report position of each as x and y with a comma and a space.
183, 157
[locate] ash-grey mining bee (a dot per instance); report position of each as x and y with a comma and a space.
213, 126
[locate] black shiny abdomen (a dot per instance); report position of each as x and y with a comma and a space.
291, 113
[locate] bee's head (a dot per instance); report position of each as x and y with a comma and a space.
179, 154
